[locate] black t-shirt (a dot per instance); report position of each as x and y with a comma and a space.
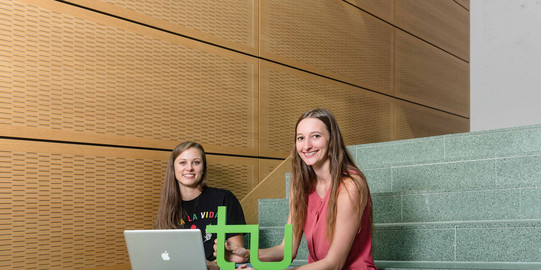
202, 211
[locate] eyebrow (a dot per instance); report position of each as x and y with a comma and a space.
317, 131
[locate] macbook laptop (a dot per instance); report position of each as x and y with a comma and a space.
165, 249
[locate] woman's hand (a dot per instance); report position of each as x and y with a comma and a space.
234, 252
212, 265
244, 267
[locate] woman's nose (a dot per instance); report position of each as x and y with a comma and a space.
307, 144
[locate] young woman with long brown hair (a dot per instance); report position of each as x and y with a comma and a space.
188, 203
329, 199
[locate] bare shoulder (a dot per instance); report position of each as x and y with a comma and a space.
354, 184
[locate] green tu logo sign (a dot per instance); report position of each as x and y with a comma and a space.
221, 229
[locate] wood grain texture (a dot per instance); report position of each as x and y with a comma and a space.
267, 166
414, 121
331, 38
430, 76
271, 187
383, 9
66, 206
464, 3
440, 22
83, 74
232, 24
286, 93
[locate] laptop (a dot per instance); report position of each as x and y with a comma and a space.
165, 249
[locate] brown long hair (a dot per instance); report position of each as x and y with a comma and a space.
170, 211
304, 178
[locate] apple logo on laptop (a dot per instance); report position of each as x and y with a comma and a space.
165, 256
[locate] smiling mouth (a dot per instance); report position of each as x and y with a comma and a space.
309, 153
189, 175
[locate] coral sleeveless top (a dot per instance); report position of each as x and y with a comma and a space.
360, 254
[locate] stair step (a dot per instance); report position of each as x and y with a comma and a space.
494, 189
509, 142
460, 201
389, 265
272, 236
273, 212
464, 242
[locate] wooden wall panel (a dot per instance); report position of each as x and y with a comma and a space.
232, 24
287, 93
89, 77
464, 3
415, 121
430, 76
440, 22
266, 166
153, 73
66, 206
239, 175
331, 38
383, 9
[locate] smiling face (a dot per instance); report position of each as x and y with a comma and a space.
312, 142
189, 168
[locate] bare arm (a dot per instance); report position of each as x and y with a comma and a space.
272, 254
237, 242
212, 265
346, 227
276, 253
234, 248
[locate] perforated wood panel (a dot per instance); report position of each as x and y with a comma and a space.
72, 74
331, 38
228, 23
66, 206
441, 22
464, 3
414, 121
104, 83
232, 20
383, 9
266, 166
239, 175
286, 93
430, 76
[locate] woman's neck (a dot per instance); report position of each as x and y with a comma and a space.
189, 193
323, 173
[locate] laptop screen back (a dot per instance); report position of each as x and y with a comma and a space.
165, 249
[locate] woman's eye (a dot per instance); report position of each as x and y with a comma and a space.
182, 163
315, 136
196, 162
299, 138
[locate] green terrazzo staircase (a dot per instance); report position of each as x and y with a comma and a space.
272, 217
461, 201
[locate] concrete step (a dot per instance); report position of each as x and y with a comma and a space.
461, 201
489, 189
468, 245
509, 142
273, 212
272, 236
